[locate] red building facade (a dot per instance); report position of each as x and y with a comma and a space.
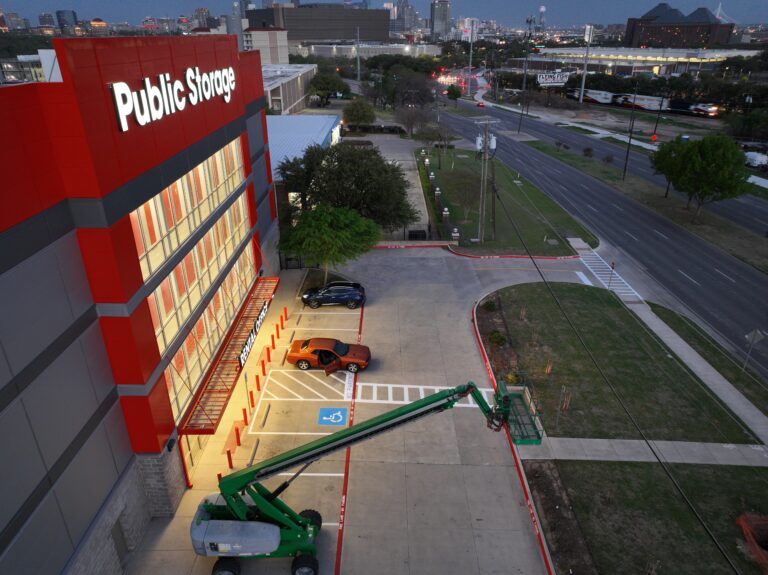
144, 176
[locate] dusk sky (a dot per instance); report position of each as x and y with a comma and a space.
509, 12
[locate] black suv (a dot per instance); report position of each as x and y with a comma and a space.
349, 294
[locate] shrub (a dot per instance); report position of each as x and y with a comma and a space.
608, 159
497, 338
489, 305
558, 144
588, 152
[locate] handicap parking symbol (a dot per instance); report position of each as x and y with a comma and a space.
332, 416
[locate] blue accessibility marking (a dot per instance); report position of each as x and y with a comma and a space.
332, 416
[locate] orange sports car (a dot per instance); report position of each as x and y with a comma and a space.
330, 354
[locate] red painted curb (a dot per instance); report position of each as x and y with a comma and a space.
347, 456
515, 456
410, 246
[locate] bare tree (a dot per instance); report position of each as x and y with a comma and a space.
412, 117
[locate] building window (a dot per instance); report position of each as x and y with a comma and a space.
185, 371
181, 291
166, 220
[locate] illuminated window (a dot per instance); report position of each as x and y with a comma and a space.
181, 291
165, 221
185, 372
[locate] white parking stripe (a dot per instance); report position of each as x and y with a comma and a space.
277, 383
301, 383
333, 389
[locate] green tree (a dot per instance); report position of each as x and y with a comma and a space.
296, 173
454, 93
708, 170
412, 117
666, 160
359, 178
331, 236
323, 85
358, 111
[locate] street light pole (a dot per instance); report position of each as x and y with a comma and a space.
530, 20
469, 75
631, 129
588, 38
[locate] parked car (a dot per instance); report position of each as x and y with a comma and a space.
481, 104
330, 354
350, 294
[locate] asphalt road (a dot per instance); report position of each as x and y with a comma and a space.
728, 295
748, 211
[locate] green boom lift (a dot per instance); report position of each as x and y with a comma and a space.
245, 519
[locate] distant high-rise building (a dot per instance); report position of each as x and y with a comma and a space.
3, 23
202, 15
46, 19
66, 19
14, 21
440, 16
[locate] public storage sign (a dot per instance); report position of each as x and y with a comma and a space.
156, 100
252, 335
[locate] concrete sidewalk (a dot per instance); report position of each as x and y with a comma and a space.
721, 387
580, 449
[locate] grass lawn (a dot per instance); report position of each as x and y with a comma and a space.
541, 222
633, 518
758, 191
743, 244
623, 144
650, 117
667, 401
461, 111
747, 382
580, 130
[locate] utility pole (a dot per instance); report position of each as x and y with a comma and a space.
469, 76
485, 143
588, 38
357, 52
631, 129
530, 21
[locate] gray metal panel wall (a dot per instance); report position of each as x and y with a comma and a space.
260, 187
21, 460
40, 297
42, 546
255, 134
263, 224
85, 484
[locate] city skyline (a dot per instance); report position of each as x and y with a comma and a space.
559, 12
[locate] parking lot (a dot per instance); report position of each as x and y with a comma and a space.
439, 495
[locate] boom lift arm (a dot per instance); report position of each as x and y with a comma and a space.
247, 500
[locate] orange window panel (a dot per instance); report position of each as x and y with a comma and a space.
181, 285
136, 227
189, 267
149, 222
178, 206
208, 247
167, 208
165, 292
152, 303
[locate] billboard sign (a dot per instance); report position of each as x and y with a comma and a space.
553, 79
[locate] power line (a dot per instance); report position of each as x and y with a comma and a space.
618, 397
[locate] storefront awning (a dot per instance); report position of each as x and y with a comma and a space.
208, 405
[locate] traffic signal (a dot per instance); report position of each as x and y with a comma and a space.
654, 137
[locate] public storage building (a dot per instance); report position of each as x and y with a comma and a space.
137, 221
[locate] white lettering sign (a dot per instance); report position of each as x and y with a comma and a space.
152, 102
252, 335
556, 79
